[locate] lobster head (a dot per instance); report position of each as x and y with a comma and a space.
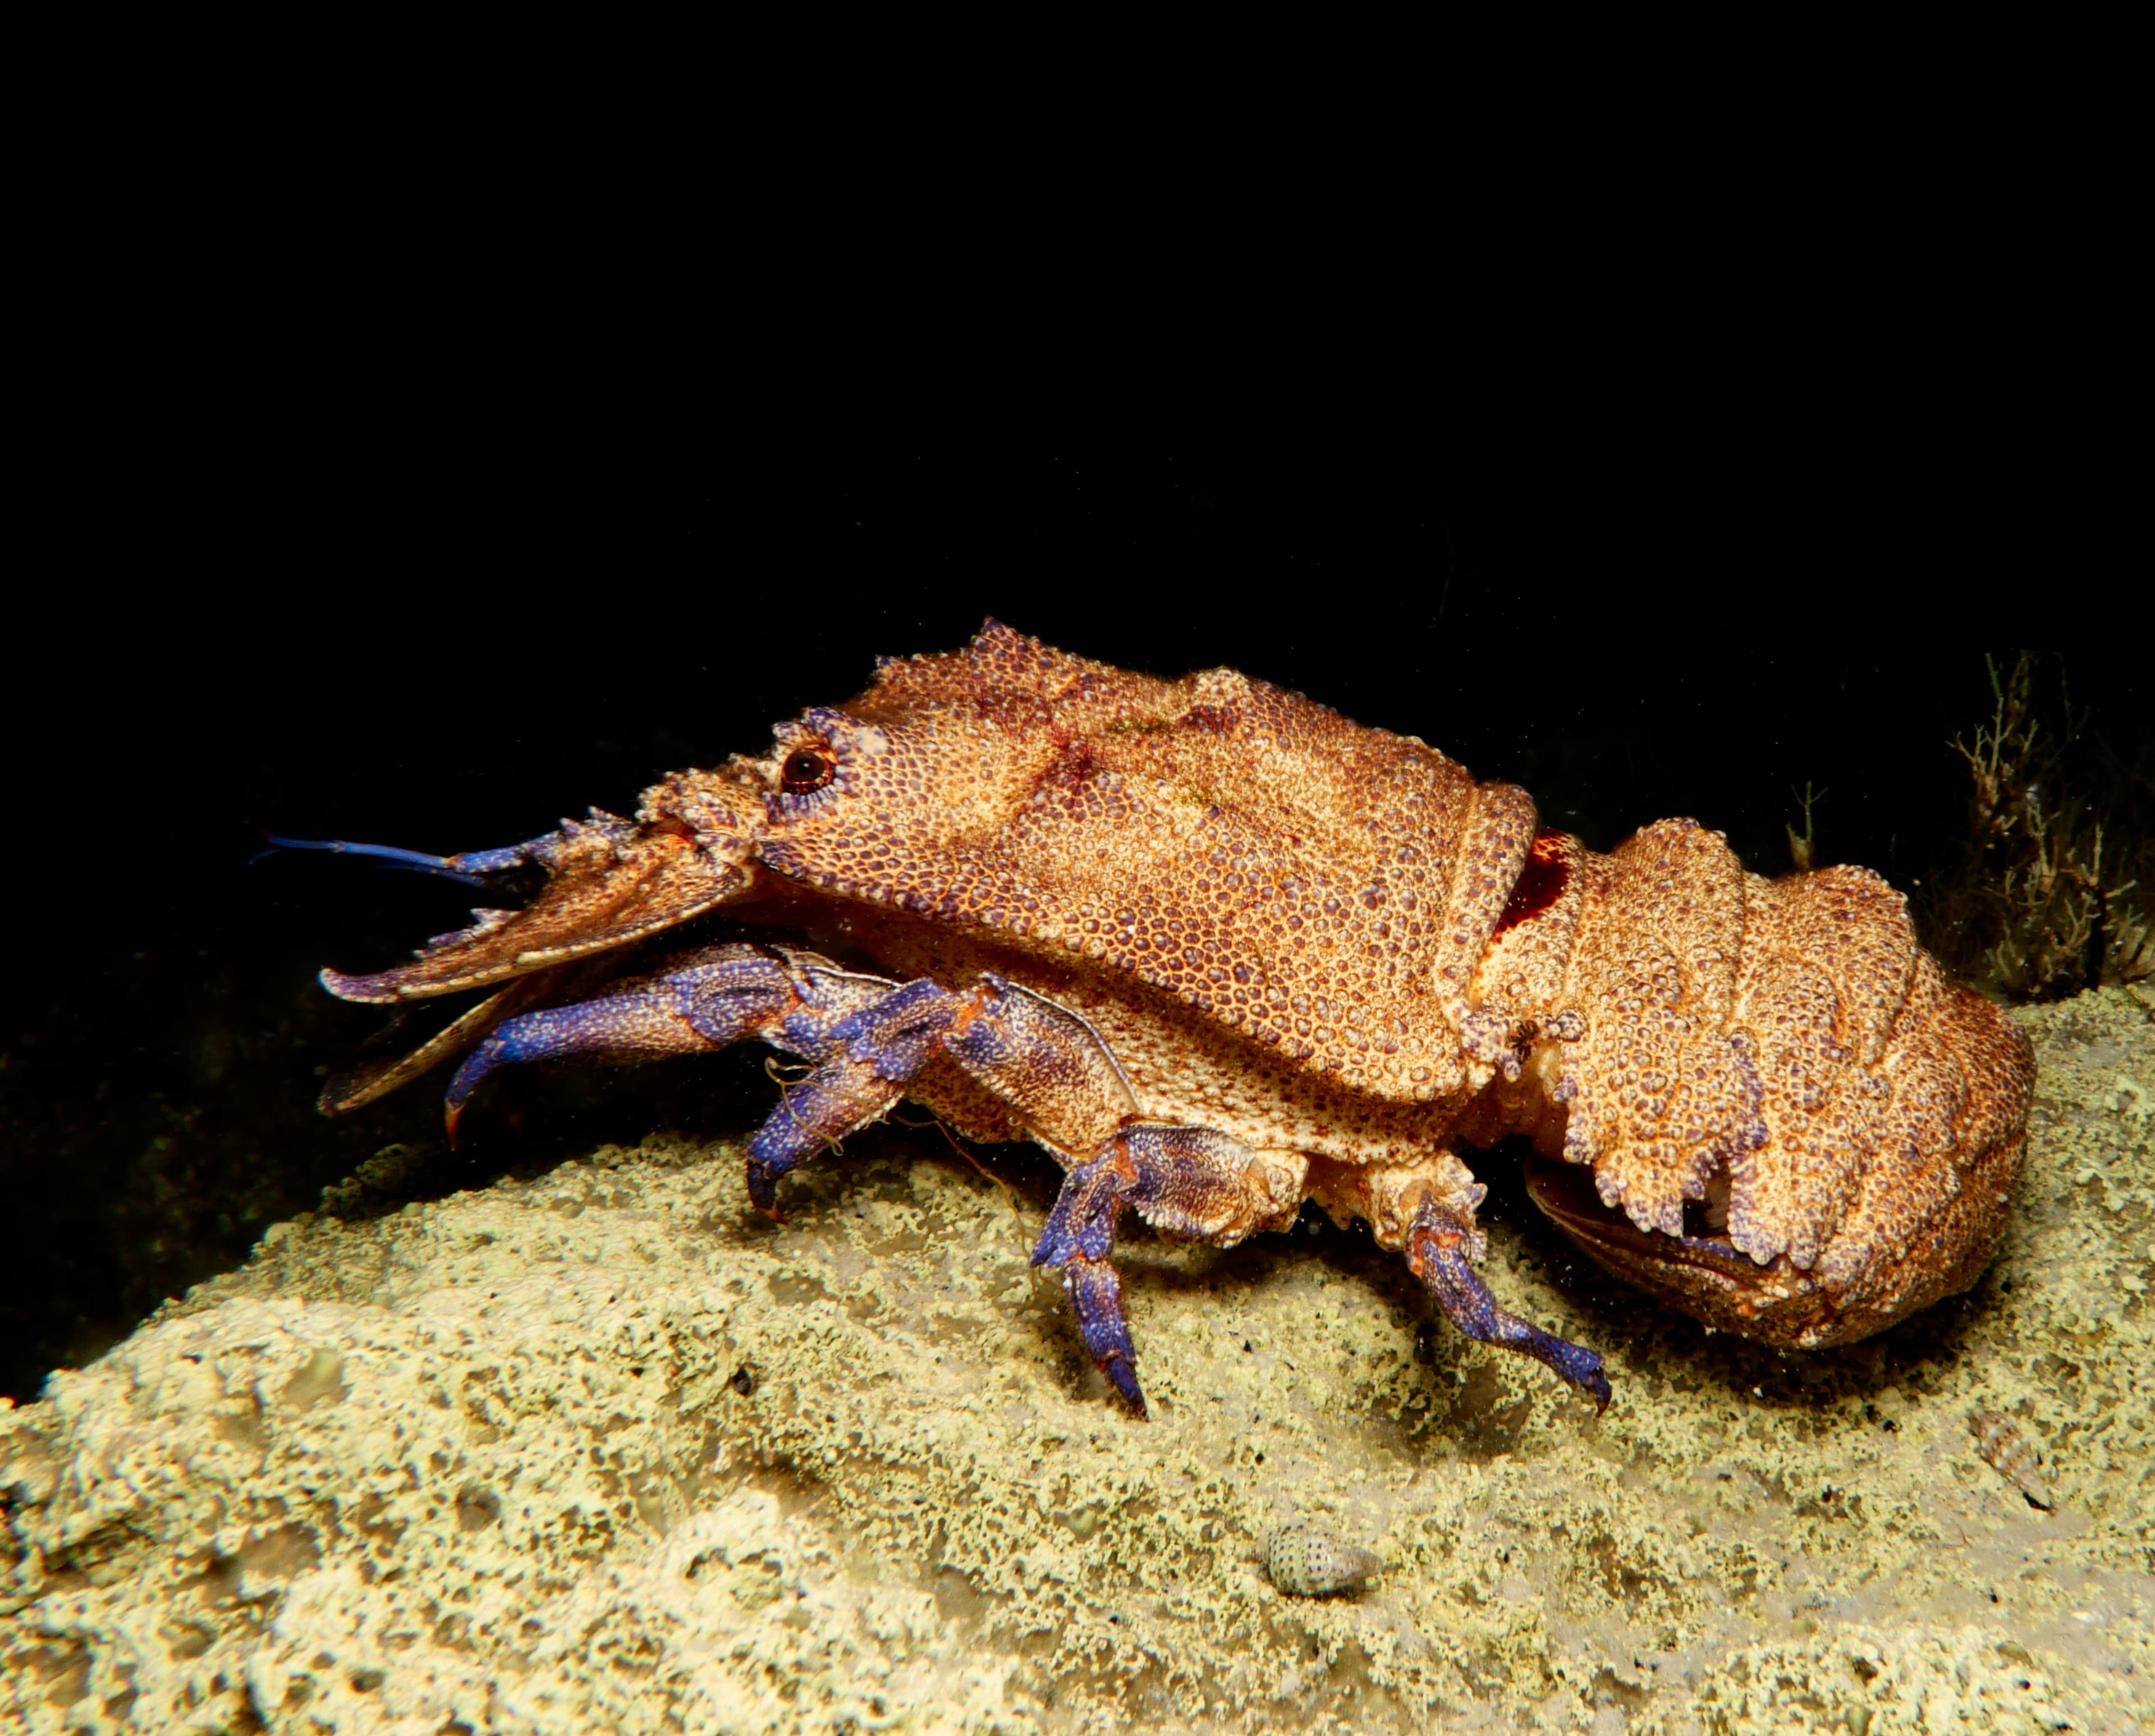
902, 795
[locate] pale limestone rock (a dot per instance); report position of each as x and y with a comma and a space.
607, 1453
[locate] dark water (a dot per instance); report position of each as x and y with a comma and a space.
446, 651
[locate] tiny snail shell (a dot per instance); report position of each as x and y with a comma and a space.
1305, 1562
1999, 1439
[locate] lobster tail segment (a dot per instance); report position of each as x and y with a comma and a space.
1796, 1128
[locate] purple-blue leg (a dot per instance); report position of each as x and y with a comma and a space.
1079, 1233
873, 1054
1439, 1248
473, 867
714, 998
1046, 1063
1187, 1180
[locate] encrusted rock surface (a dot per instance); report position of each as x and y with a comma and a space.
608, 1452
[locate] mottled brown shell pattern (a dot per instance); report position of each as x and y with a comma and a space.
1322, 889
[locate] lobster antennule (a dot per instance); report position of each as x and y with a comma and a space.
476, 867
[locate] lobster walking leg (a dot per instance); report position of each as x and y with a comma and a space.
1188, 1181
873, 1055
708, 1000
1065, 1087
1440, 1250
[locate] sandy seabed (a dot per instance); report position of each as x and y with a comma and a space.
608, 1452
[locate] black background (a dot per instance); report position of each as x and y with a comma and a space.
389, 597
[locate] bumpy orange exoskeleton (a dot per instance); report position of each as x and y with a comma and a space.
1222, 951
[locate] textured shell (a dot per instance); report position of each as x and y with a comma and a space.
1322, 889
1790, 1040
1999, 1441
1306, 1562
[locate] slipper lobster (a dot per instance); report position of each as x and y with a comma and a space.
1222, 951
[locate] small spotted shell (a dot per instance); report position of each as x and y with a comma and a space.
1305, 1562
1999, 1439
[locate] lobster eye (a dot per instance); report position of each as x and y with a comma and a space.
806, 769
